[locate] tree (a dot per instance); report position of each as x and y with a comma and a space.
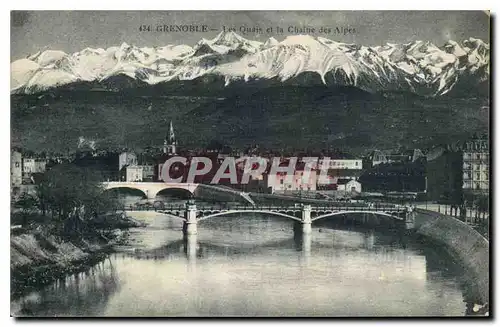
72, 195
469, 199
482, 204
28, 205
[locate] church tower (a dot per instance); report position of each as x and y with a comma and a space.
170, 143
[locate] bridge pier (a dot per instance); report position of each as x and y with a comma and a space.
190, 224
306, 219
304, 226
150, 194
306, 244
302, 240
410, 217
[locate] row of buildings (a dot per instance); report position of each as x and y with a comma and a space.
459, 169
442, 173
147, 166
342, 172
23, 169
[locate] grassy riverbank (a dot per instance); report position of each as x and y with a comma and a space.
39, 256
65, 224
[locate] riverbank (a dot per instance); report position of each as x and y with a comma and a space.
38, 257
462, 242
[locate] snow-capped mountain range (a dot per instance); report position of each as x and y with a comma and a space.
419, 67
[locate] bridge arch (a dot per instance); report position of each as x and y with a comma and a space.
358, 211
131, 188
151, 189
174, 191
225, 213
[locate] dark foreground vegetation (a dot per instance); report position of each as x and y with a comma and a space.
65, 225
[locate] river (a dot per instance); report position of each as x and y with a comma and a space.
253, 265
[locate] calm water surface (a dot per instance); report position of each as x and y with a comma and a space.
253, 265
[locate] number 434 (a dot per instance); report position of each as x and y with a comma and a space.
145, 28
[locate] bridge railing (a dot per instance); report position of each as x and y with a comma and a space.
167, 208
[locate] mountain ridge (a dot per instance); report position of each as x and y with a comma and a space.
418, 67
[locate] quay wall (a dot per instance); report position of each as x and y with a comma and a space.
262, 198
462, 242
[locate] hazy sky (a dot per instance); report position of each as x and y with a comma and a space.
73, 31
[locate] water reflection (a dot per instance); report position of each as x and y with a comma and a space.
258, 266
82, 294
191, 247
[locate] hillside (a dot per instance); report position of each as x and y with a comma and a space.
289, 117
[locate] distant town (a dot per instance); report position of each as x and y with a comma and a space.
456, 175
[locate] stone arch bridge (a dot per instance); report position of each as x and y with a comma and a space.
151, 189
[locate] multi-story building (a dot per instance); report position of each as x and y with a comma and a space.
32, 166
444, 175
148, 172
348, 185
350, 169
281, 182
458, 169
126, 159
133, 174
476, 166
354, 164
378, 157
16, 169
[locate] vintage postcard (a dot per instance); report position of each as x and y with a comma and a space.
250, 163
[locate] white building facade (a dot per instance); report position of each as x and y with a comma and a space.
476, 166
134, 174
349, 186
126, 159
33, 165
338, 169
281, 182
148, 172
16, 169
340, 163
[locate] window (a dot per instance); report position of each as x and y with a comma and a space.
281, 181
